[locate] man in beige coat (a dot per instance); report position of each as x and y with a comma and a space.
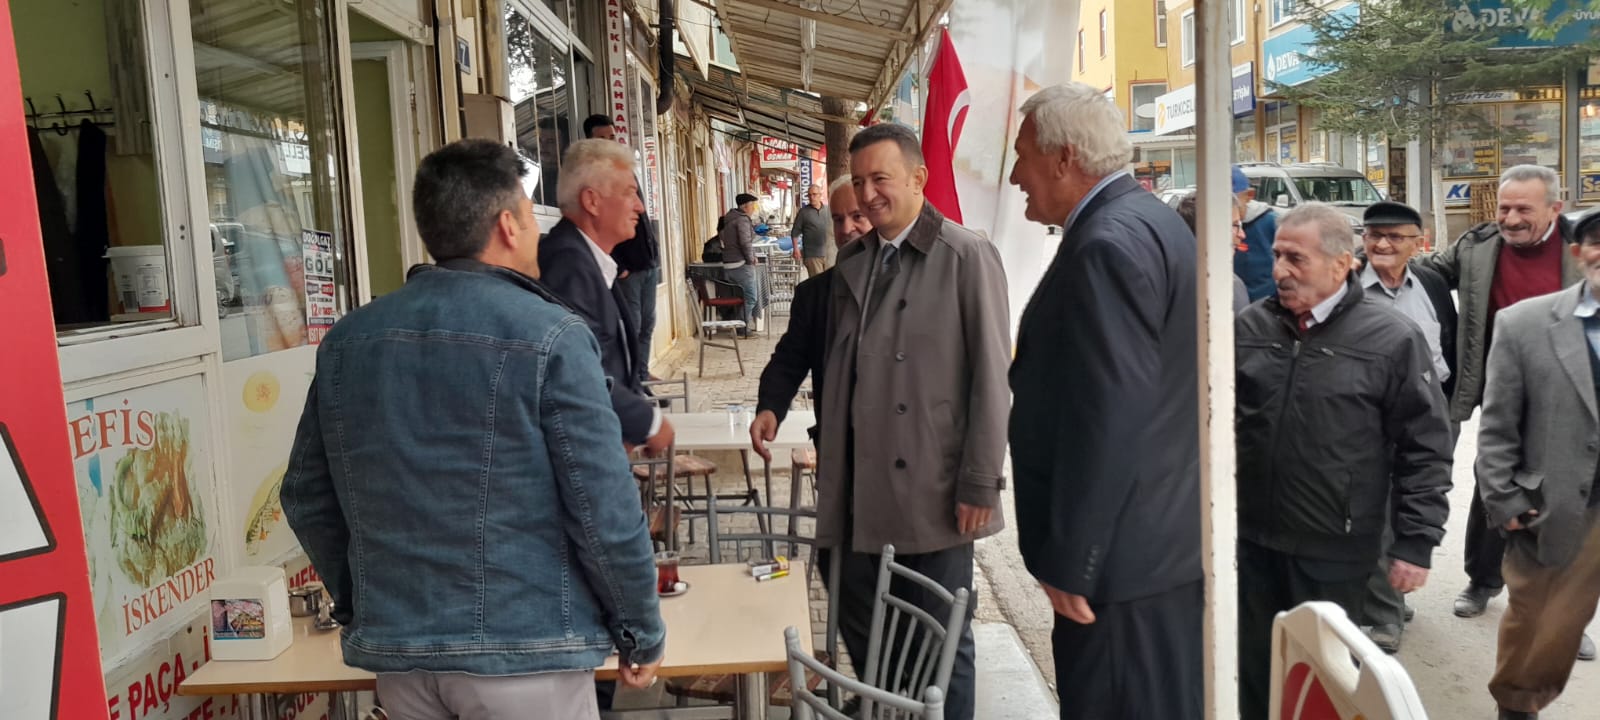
915, 410
1538, 453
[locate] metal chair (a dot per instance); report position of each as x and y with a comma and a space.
673, 396
705, 309
737, 546
910, 653
807, 705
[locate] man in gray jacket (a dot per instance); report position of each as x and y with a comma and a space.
914, 411
1538, 451
739, 256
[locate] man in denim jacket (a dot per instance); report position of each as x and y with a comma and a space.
457, 477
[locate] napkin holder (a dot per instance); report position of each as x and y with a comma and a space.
250, 617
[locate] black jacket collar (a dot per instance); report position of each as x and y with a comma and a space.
1353, 295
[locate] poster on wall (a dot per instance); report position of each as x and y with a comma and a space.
322, 303
265, 396
652, 171
143, 464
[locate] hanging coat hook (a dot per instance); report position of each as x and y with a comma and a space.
61, 104
59, 128
93, 107
32, 113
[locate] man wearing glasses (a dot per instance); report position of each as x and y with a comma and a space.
1393, 236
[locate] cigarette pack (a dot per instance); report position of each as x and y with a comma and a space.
768, 566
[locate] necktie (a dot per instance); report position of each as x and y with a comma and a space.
1304, 321
888, 267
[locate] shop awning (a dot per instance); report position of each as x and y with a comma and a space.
855, 51
760, 108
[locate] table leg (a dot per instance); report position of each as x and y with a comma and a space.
750, 697
258, 706
344, 706
667, 507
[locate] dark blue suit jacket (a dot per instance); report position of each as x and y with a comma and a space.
1105, 406
567, 267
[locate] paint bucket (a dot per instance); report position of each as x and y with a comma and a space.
141, 277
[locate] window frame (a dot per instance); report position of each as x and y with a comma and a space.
567, 38
1186, 48
1281, 11
1081, 43
1133, 105
1161, 23
1237, 24
1104, 28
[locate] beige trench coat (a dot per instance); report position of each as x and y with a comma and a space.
923, 388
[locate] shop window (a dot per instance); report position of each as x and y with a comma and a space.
1161, 23
96, 164
1144, 95
1236, 21
1469, 149
1245, 148
1532, 134
1186, 38
274, 184
1283, 11
538, 70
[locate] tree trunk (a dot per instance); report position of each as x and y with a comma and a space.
836, 137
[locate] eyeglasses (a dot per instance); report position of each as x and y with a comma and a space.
1393, 238
1238, 226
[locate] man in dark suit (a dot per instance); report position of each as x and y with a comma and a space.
638, 259
803, 348
1105, 420
600, 208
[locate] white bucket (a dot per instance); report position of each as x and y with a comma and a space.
141, 275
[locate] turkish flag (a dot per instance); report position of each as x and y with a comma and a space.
948, 101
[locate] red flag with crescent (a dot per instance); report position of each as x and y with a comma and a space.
948, 101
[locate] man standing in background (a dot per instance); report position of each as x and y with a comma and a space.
811, 233
638, 260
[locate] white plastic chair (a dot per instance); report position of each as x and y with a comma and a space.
1325, 668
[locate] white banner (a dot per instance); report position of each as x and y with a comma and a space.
616, 73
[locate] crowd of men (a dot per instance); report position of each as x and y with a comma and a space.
523, 361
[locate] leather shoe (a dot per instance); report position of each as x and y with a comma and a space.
1386, 637
1411, 612
1586, 648
1474, 600
1518, 715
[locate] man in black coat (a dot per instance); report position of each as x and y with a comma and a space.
1105, 420
803, 348
600, 208
638, 260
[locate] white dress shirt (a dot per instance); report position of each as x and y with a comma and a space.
608, 270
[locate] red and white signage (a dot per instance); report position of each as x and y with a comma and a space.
780, 154
616, 69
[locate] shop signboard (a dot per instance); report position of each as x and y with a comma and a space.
616, 70
805, 172
776, 153
322, 300
1244, 89
142, 458
265, 395
1289, 58
1457, 193
1176, 110
1589, 187
1515, 26
652, 171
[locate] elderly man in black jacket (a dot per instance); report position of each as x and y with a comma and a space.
1105, 420
804, 346
1338, 411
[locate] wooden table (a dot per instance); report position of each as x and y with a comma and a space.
727, 623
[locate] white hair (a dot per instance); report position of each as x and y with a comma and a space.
1078, 115
1333, 227
842, 182
587, 164
1524, 173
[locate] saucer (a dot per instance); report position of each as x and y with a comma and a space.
675, 593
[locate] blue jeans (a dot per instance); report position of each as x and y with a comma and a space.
745, 277
639, 294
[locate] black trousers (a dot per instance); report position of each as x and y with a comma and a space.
1271, 582
1138, 660
1485, 548
1384, 605
858, 580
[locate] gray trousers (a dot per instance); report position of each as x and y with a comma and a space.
421, 695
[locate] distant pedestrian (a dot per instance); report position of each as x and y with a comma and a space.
1337, 412
738, 237
1188, 209
1105, 420
1253, 262
811, 233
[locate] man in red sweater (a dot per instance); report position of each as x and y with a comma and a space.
1493, 266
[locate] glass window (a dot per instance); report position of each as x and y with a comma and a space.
1080, 51
1289, 144
95, 162
1532, 134
270, 138
1161, 23
1589, 148
1282, 11
1186, 38
1103, 30
1355, 191
1271, 190
1469, 149
537, 71
1141, 96
1236, 21
1245, 148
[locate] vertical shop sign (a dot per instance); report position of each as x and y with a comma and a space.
143, 465
652, 165
615, 70
322, 305
805, 177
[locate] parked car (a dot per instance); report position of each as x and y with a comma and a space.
1285, 186
1173, 196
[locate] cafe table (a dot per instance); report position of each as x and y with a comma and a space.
721, 430
726, 623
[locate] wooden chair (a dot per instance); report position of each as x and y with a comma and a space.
706, 308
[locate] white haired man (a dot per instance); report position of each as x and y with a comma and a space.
1338, 411
811, 232
600, 209
1492, 267
1105, 420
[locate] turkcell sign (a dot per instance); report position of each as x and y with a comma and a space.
1175, 110
1290, 57
1513, 25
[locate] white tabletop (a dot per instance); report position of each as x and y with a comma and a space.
726, 623
712, 431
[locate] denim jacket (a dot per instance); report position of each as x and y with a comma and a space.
459, 482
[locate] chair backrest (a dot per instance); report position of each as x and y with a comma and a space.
910, 650
1323, 666
672, 395
807, 704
